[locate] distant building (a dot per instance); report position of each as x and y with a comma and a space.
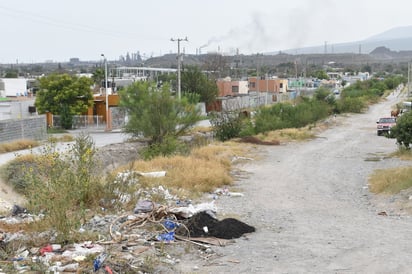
227, 87
295, 84
74, 61
268, 84
13, 87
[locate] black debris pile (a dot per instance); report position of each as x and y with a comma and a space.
16, 210
204, 225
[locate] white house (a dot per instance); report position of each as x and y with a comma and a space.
13, 87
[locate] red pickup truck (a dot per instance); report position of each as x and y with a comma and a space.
384, 125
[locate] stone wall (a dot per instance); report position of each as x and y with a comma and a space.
33, 128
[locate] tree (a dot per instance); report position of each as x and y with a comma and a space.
403, 130
216, 64
320, 74
98, 76
194, 81
11, 73
58, 90
154, 113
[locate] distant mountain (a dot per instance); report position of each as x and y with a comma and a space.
394, 33
396, 39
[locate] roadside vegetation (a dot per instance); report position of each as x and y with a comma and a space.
157, 116
67, 188
17, 145
29, 144
62, 186
394, 180
390, 181
303, 111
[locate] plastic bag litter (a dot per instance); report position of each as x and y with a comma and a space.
190, 210
169, 224
143, 206
153, 174
166, 237
83, 250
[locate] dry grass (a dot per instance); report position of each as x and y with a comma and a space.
287, 135
27, 144
61, 138
205, 169
390, 181
403, 154
17, 145
257, 141
201, 129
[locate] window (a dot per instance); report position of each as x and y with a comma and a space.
281, 85
235, 88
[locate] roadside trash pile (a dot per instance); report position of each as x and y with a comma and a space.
125, 242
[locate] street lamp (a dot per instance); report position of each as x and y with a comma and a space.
107, 95
178, 63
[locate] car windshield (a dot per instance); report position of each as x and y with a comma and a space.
387, 120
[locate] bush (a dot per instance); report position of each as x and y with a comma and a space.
169, 146
403, 130
350, 104
16, 170
63, 186
285, 115
227, 124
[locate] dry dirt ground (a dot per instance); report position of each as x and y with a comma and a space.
311, 207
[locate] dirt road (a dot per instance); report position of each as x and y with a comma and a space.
312, 209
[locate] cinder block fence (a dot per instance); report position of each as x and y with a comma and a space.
33, 128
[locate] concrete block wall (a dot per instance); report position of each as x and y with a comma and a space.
33, 128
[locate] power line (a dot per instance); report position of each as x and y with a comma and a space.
61, 24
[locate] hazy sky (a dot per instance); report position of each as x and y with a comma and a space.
36, 31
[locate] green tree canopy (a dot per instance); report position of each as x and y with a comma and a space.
58, 90
194, 81
403, 130
154, 113
11, 73
320, 74
98, 76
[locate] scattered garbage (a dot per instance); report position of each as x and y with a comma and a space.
229, 228
190, 210
225, 192
169, 224
166, 237
154, 174
97, 263
46, 249
108, 270
16, 210
135, 233
144, 206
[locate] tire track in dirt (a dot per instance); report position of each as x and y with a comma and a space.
312, 209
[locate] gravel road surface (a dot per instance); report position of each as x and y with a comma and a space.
312, 209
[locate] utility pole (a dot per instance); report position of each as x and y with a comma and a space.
409, 78
108, 126
267, 89
178, 40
